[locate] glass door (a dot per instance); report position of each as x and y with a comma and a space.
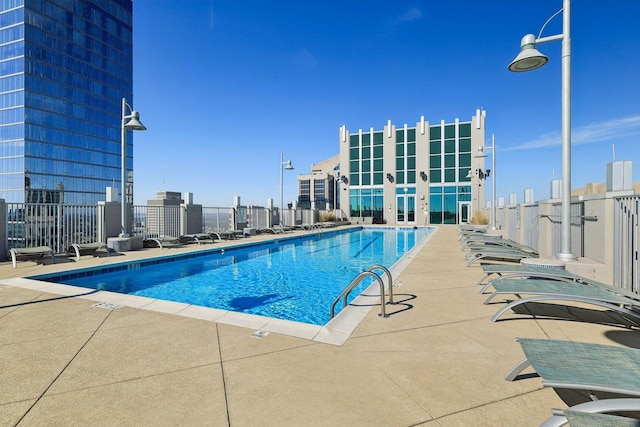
464, 212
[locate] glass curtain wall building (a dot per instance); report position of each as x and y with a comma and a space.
424, 174
65, 66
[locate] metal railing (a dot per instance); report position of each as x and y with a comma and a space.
359, 278
627, 243
156, 221
55, 225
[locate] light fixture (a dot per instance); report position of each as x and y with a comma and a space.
390, 178
423, 176
530, 59
344, 179
133, 124
284, 165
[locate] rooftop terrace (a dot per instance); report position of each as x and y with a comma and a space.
437, 360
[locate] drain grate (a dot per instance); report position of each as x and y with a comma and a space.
107, 305
259, 334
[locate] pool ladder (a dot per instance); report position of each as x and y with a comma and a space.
368, 273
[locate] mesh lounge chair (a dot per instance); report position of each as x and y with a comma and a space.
523, 271
586, 419
197, 238
601, 295
593, 368
497, 254
30, 254
483, 241
161, 242
79, 249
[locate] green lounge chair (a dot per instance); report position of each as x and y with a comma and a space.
593, 293
38, 252
587, 419
79, 249
592, 368
161, 242
522, 271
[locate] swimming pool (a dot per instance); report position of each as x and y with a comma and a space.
294, 278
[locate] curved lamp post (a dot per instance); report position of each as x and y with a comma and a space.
288, 166
481, 154
133, 123
529, 59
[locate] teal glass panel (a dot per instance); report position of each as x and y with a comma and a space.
354, 178
411, 163
449, 160
366, 152
464, 189
366, 166
399, 149
378, 151
449, 175
366, 179
354, 140
435, 132
377, 138
411, 149
449, 189
400, 135
449, 131
411, 177
354, 166
435, 190
399, 164
464, 130
435, 208
462, 175
354, 153
465, 145
435, 161
378, 178
435, 175
450, 146
449, 209
378, 165
399, 177
366, 140
411, 135
464, 160
435, 147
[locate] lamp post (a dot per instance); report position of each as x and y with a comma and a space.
529, 59
481, 154
133, 124
288, 166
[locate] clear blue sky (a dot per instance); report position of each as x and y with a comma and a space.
225, 86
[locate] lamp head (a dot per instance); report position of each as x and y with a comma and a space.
480, 154
529, 58
289, 166
134, 123
469, 174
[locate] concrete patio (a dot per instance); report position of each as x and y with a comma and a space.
437, 360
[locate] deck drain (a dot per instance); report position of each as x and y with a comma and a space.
259, 334
397, 283
107, 305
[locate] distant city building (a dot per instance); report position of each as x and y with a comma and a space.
64, 68
320, 188
422, 174
161, 221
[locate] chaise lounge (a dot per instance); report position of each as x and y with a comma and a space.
19, 254
594, 293
79, 249
161, 242
604, 372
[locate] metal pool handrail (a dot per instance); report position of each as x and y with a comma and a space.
369, 273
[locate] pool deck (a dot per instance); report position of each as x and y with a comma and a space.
437, 360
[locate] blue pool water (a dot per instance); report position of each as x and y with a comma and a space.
295, 278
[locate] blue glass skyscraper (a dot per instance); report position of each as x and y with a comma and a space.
65, 66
